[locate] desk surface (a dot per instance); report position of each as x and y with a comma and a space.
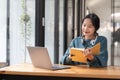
74, 71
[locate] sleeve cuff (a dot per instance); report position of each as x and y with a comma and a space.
93, 61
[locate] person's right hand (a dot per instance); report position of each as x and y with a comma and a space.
70, 56
88, 54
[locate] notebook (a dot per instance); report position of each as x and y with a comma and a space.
40, 58
77, 53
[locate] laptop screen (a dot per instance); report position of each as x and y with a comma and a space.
40, 57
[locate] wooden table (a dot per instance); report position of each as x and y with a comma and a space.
27, 71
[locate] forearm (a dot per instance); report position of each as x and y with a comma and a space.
97, 62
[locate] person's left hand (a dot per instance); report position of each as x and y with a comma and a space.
88, 53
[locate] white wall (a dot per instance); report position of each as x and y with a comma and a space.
49, 27
61, 36
3, 28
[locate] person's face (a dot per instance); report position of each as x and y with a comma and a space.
88, 29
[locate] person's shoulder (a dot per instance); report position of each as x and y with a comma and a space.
102, 38
77, 38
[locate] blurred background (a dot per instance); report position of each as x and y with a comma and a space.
53, 24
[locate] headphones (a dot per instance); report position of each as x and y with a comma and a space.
92, 42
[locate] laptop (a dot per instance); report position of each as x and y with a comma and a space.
40, 58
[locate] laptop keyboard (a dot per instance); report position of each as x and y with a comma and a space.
55, 67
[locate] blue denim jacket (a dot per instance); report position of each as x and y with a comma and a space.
99, 60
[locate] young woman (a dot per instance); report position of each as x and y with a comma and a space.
90, 25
